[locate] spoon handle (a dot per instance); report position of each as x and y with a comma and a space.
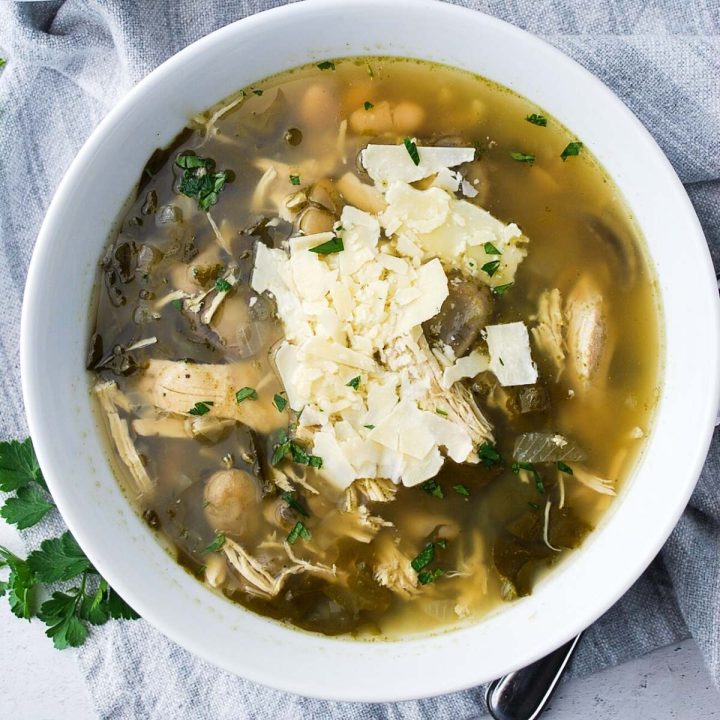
522, 695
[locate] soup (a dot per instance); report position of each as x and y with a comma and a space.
375, 346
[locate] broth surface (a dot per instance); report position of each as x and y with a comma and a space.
494, 527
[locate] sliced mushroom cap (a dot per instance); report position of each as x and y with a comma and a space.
467, 309
232, 501
620, 249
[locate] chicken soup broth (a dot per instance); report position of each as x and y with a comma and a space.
375, 346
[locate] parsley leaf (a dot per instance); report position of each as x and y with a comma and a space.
297, 452
246, 393
289, 498
491, 267
536, 119
522, 157
368, 105
326, 65
257, 92
518, 466
500, 289
428, 576
199, 181
424, 557
490, 249
295, 179
489, 456
216, 544
19, 585
432, 487
60, 614
222, 285
299, 531
26, 509
59, 558
562, 467
333, 245
411, 147
201, 407
572, 148
279, 402
18, 465
460, 489
354, 383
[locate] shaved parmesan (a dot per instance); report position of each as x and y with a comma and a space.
510, 358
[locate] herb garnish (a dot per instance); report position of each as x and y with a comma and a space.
246, 393
3, 62
289, 498
518, 466
491, 267
490, 249
216, 544
299, 531
368, 105
460, 489
369, 427
572, 148
522, 157
489, 456
431, 487
562, 467
199, 181
536, 119
222, 285
442, 412
201, 407
326, 65
333, 245
354, 383
370, 71
533, 505
500, 289
28, 507
279, 402
177, 304
424, 557
428, 576
295, 179
297, 452
257, 92
411, 147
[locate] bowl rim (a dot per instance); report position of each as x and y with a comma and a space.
49, 460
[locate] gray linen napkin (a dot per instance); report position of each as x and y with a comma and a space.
69, 62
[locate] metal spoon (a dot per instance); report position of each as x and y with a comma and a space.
522, 695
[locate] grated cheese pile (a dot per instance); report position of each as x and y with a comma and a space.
352, 321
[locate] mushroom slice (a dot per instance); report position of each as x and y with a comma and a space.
110, 399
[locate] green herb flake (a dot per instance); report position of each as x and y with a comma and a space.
295, 179
289, 498
442, 412
279, 402
369, 427
315, 461
368, 105
257, 92
536, 119
354, 383
334, 245
222, 285
199, 181
522, 157
411, 147
201, 408
460, 489
534, 506
502, 289
430, 576
572, 149
246, 393
490, 249
299, 531
489, 456
562, 467
177, 304
326, 65
370, 71
431, 487
518, 466
491, 267
216, 544
59, 559
424, 557
27, 508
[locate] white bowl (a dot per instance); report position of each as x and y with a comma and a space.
55, 327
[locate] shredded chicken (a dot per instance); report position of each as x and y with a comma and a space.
357, 524
392, 569
110, 399
594, 482
472, 565
168, 427
548, 333
377, 489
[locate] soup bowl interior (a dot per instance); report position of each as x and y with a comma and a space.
72, 453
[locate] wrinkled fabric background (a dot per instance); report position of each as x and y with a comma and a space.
69, 63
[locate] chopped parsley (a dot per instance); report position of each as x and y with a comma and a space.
489, 456
536, 119
518, 466
429, 576
572, 148
333, 245
216, 544
370, 71
295, 179
279, 402
369, 427
299, 531
222, 285
257, 92
562, 467
460, 489
246, 393
490, 249
368, 105
354, 383
326, 65
491, 267
411, 147
432, 487
201, 408
501, 289
297, 452
442, 412
199, 181
424, 557
289, 498
522, 157
177, 304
